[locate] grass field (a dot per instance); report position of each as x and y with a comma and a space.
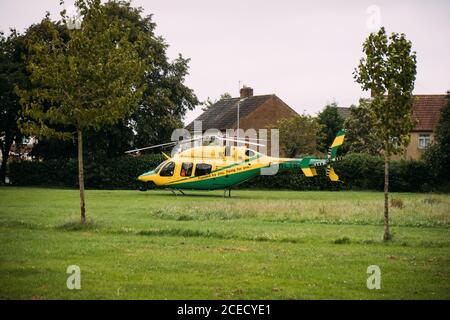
256, 245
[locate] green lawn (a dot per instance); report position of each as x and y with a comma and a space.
256, 245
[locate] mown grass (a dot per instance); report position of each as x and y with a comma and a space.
256, 245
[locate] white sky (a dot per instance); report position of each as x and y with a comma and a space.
303, 51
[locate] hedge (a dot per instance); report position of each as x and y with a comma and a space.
117, 173
356, 171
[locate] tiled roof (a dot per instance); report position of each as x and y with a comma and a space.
427, 109
223, 114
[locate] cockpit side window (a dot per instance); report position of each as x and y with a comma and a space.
186, 169
159, 166
202, 168
168, 170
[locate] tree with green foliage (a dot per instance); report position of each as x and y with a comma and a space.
388, 70
360, 131
331, 122
12, 73
298, 135
438, 154
161, 108
93, 78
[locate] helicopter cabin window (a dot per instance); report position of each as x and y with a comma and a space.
227, 151
167, 171
202, 169
186, 169
249, 153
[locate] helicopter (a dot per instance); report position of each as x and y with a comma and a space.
216, 167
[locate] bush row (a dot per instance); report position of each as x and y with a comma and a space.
117, 173
356, 171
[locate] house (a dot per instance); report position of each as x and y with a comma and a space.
426, 111
257, 112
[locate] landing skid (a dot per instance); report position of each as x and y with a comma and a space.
225, 193
173, 191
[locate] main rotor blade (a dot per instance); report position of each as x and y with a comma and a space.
241, 141
150, 147
164, 144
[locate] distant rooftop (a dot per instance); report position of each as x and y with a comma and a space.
223, 114
426, 111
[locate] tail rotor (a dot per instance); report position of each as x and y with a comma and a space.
331, 156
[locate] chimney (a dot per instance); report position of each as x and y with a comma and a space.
246, 92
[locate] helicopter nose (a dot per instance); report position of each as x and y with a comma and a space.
145, 177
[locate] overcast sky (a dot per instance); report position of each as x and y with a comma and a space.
302, 51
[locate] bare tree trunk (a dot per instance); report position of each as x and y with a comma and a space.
81, 176
387, 233
3, 168
6, 147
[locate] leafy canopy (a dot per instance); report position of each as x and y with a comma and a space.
298, 135
438, 155
331, 122
360, 136
389, 71
161, 108
12, 72
92, 79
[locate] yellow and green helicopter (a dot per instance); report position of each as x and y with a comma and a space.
222, 167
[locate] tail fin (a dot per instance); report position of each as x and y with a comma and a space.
337, 142
332, 151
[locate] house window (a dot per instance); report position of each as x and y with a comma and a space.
167, 171
202, 168
186, 169
424, 141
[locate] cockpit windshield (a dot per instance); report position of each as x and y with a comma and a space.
159, 166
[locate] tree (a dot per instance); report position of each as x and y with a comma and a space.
209, 102
12, 72
298, 135
389, 71
90, 80
438, 155
161, 108
331, 122
360, 135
